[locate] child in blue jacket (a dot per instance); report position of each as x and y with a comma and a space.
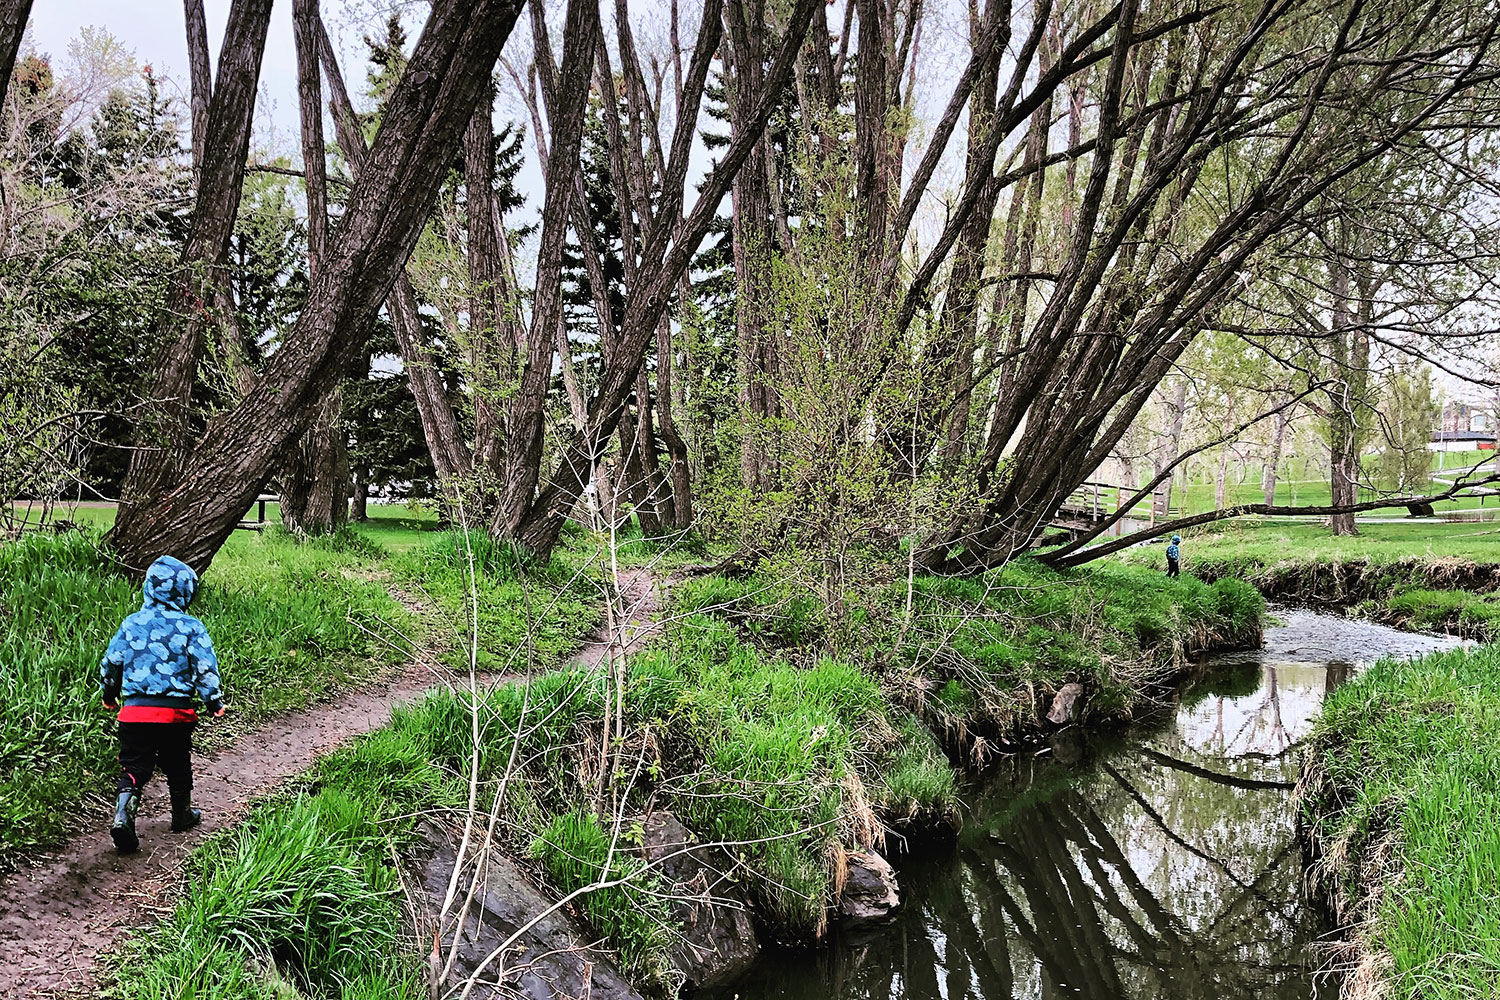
160, 663
1173, 555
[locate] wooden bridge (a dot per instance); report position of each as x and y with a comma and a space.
1091, 504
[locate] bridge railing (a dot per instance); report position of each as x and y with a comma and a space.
1094, 501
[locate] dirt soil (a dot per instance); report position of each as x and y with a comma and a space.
61, 910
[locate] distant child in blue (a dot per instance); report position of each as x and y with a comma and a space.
160, 663
1173, 554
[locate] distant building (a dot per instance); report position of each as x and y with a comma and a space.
1459, 417
1466, 440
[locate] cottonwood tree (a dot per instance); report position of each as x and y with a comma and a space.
315, 476
1210, 141
166, 425
218, 475
531, 511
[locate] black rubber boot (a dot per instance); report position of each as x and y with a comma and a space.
123, 828
184, 816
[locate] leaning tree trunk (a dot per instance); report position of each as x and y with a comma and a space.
440, 427
200, 76
387, 208
13, 16
315, 475
164, 436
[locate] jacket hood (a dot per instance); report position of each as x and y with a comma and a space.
170, 583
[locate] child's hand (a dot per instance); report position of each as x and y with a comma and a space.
220, 713
110, 705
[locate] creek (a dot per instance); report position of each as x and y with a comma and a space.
1154, 863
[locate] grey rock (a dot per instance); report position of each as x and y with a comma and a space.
718, 937
870, 894
555, 958
1067, 704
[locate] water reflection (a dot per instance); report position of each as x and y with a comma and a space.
1159, 865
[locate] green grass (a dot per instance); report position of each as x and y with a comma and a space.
1267, 541
1458, 612
286, 622
986, 643
1440, 577
1404, 798
552, 606
301, 899
784, 761
574, 850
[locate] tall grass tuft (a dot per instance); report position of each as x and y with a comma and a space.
300, 893
574, 850
1401, 793
285, 617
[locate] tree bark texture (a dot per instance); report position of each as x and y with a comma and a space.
450, 453
490, 363
200, 79
13, 17
524, 416
315, 476
164, 435
387, 208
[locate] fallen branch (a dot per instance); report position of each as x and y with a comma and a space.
1272, 510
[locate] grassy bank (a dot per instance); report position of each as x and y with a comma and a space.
301, 899
1431, 577
291, 622
1401, 801
736, 718
985, 655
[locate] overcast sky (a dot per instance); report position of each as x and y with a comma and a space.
153, 31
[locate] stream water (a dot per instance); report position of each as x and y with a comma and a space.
1153, 864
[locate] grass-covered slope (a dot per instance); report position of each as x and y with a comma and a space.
285, 618
737, 718
1401, 799
302, 898
1435, 577
998, 646
984, 654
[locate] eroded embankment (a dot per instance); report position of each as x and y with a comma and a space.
1000, 664
1399, 811
743, 743
1455, 596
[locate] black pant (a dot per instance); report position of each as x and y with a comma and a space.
167, 745
1171, 566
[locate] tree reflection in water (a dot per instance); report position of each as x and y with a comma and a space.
1163, 866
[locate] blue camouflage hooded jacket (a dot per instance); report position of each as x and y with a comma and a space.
162, 655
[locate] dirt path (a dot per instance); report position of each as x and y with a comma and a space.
62, 909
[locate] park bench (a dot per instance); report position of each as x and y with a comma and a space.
260, 522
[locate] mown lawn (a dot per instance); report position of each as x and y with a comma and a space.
1403, 794
1264, 541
